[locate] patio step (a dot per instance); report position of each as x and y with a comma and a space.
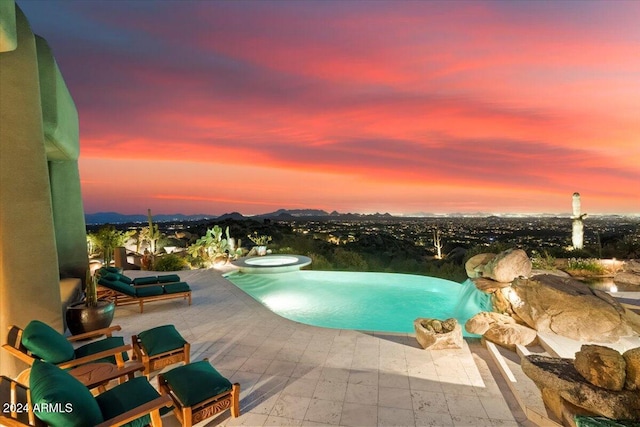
523, 388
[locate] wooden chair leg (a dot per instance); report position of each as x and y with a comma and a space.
235, 400
156, 421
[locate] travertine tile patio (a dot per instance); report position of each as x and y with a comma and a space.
300, 375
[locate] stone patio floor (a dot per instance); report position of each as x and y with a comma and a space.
299, 375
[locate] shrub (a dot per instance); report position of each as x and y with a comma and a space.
348, 260
544, 262
319, 262
170, 262
579, 266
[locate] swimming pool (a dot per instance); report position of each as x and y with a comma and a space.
385, 302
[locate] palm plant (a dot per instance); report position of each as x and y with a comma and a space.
106, 239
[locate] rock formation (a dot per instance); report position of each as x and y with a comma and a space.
508, 265
601, 366
434, 334
501, 329
630, 274
632, 360
569, 308
559, 380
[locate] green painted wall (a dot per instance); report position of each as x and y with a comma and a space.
42, 229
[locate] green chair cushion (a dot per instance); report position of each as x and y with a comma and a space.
148, 280
102, 345
176, 287
161, 339
595, 421
62, 400
124, 279
111, 276
127, 396
119, 286
148, 291
167, 278
46, 343
196, 382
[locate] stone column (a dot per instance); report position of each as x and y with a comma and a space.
29, 280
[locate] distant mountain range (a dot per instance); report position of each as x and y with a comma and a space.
280, 214
291, 214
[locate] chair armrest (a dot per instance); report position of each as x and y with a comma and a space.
93, 357
95, 334
138, 412
20, 355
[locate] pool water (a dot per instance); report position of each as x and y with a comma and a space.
385, 302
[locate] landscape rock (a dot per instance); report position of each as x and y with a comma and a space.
450, 335
627, 278
475, 265
560, 376
632, 359
631, 266
510, 335
489, 285
569, 308
481, 322
508, 265
601, 366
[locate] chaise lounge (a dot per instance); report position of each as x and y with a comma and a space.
125, 291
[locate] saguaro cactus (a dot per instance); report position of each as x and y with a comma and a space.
437, 243
577, 235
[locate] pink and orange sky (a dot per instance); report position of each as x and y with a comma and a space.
356, 106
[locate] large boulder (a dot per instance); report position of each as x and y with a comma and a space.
627, 278
434, 334
510, 335
601, 366
481, 322
489, 285
569, 308
555, 375
632, 360
475, 265
508, 265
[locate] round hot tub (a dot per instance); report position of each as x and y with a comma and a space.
272, 263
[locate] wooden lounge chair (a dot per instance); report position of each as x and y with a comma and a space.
76, 405
39, 341
126, 291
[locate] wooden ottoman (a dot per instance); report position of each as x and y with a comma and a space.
160, 347
198, 392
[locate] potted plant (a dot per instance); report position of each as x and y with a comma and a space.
91, 313
260, 242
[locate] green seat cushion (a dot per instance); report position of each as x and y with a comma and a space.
168, 278
127, 396
149, 280
595, 421
102, 345
46, 343
176, 287
60, 399
148, 291
124, 279
161, 339
118, 286
196, 382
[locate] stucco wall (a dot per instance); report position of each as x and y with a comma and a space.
42, 229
